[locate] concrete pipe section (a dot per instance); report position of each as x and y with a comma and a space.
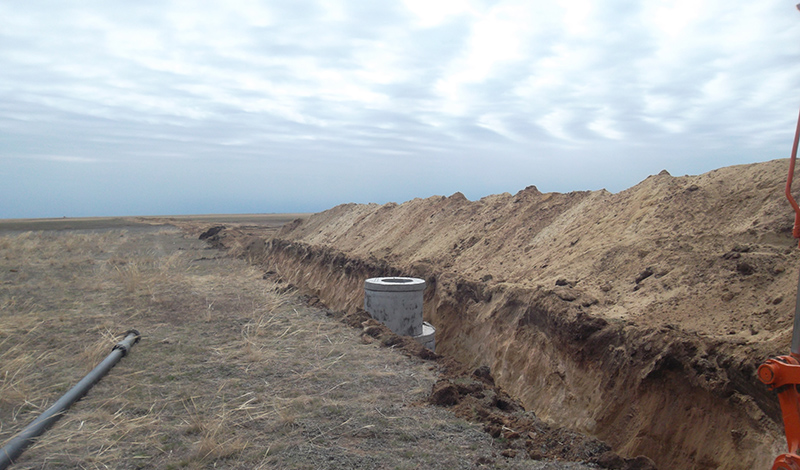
397, 303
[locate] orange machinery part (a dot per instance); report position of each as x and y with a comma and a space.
781, 374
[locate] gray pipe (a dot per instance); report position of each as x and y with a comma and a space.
16, 446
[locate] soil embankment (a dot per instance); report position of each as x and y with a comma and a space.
638, 317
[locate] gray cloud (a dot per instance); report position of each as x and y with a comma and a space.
241, 106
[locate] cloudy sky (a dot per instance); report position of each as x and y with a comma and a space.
242, 106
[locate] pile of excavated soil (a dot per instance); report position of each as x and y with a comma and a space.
638, 317
710, 253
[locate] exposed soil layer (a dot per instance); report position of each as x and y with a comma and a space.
637, 317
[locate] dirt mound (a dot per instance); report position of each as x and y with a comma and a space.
706, 252
639, 316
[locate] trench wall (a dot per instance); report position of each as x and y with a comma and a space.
681, 400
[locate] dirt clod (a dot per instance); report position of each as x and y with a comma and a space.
745, 268
374, 331
640, 463
444, 393
508, 453
211, 232
611, 460
644, 275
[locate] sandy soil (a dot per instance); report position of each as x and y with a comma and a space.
667, 294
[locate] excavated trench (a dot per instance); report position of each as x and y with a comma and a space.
681, 400
638, 317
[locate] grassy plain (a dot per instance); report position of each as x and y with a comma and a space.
232, 371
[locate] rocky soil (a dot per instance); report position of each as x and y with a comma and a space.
637, 317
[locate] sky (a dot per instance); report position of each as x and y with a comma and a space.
247, 106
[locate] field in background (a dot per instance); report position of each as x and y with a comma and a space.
232, 371
133, 223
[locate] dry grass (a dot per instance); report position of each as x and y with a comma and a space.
231, 372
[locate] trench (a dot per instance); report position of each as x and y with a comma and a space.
684, 401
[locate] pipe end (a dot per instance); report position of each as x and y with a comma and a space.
127, 343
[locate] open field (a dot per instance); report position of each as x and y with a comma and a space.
8, 226
263, 221
233, 370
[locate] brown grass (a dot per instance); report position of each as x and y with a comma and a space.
232, 371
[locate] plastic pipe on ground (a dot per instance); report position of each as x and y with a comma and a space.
16, 446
